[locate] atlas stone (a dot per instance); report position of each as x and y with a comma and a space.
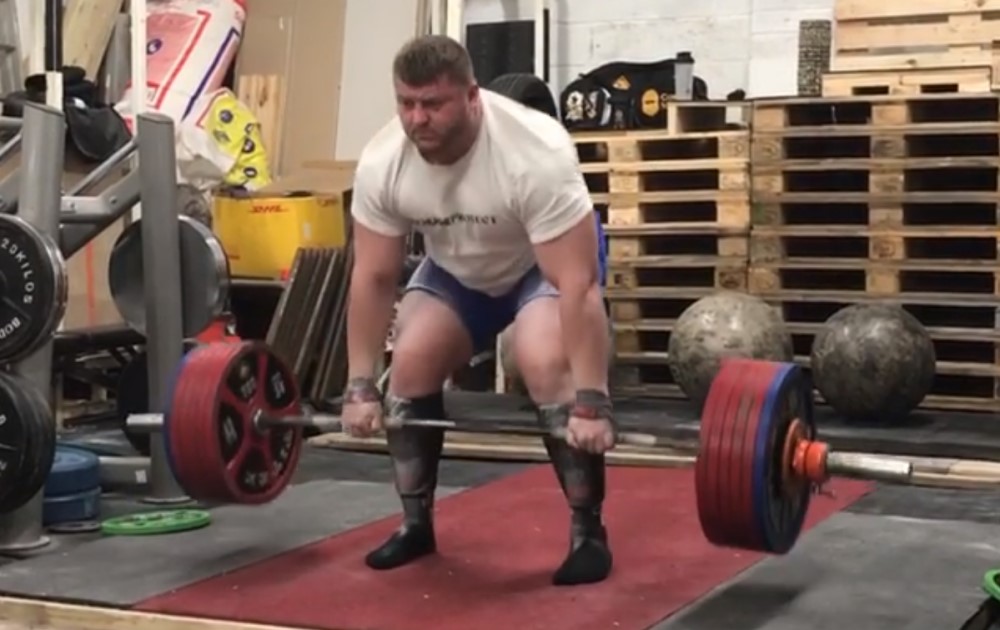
724, 324
873, 362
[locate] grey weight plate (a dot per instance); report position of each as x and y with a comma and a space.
204, 276
33, 288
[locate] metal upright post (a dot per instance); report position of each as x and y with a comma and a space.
161, 263
42, 149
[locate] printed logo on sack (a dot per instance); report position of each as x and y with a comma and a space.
154, 46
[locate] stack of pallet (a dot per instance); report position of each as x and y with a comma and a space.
676, 206
896, 47
863, 198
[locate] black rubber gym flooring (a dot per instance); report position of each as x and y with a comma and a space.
900, 558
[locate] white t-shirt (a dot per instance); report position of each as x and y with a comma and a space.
520, 184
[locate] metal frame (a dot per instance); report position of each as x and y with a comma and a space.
75, 220
43, 148
161, 267
10, 186
83, 218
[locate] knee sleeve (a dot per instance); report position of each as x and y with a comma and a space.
415, 451
580, 474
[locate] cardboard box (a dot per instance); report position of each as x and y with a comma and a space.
262, 231
302, 42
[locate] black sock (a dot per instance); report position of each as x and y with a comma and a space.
415, 452
582, 479
589, 559
414, 539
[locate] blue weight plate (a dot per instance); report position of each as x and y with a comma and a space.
779, 512
73, 470
82, 506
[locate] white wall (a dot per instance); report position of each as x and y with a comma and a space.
367, 101
748, 44
23, 7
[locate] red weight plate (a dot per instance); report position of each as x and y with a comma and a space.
736, 428
713, 495
256, 464
216, 359
749, 535
727, 478
186, 417
724, 466
709, 495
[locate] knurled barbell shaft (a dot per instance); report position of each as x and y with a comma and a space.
837, 464
329, 423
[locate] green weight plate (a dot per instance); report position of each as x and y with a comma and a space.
990, 584
152, 523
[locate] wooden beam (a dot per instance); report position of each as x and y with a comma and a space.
87, 28
18, 614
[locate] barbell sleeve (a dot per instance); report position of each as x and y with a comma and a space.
868, 467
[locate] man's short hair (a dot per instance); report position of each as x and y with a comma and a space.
425, 59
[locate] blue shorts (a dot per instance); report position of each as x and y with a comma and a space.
485, 316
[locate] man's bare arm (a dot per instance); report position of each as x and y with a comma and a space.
569, 262
378, 263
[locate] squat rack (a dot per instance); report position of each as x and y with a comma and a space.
35, 191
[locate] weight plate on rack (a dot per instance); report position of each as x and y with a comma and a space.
27, 442
204, 276
33, 288
72, 508
218, 450
74, 469
748, 495
162, 522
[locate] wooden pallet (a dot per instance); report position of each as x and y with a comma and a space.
692, 117
874, 127
676, 208
968, 358
898, 35
642, 319
656, 168
909, 81
966, 341
885, 197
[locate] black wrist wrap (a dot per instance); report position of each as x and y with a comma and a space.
592, 404
361, 390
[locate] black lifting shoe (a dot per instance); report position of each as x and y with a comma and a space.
589, 559
415, 539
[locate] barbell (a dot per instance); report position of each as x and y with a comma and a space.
234, 424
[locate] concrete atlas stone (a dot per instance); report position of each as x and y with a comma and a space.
873, 362
724, 324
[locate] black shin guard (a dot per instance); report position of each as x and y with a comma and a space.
416, 452
582, 478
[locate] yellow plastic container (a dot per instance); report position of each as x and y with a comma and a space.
261, 232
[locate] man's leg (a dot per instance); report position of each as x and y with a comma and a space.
544, 368
432, 341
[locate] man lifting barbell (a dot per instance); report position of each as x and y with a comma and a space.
496, 190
